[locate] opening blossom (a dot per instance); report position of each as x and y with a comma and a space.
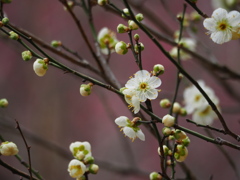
223, 26
80, 150
140, 88
129, 128
107, 40
76, 168
8, 149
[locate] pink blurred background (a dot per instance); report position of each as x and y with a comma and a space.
51, 108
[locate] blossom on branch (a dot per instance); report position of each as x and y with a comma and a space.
140, 88
8, 149
223, 26
76, 168
81, 150
130, 128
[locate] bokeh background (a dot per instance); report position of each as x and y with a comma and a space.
53, 114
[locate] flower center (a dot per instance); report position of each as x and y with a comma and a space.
222, 26
143, 86
197, 98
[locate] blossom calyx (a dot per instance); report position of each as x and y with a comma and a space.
40, 66
8, 149
121, 48
168, 120
26, 55
86, 89
3, 103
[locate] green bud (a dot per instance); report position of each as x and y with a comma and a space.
155, 176
121, 48
86, 89
139, 17
56, 44
126, 11
166, 131
5, 21
13, 35
93, 168
6, 1
122, 28
158, 69
179, 135
132, 25
26, 55
89, 160
136, 49
183, 112
136, 37
165, 103
3, 103
186, 141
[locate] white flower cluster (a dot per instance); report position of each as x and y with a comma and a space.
107, 40
8, 149
223, 26
140, 88
130, 128
78, 167
198, 105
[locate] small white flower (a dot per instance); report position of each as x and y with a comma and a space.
223, 26
8, 149
107, 40
80, 150
129, 129
76, 168
133, 102
143, 86
40, 67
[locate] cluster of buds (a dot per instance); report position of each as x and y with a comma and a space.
177, 108
86, 89
8, 149
180, 151
84, 161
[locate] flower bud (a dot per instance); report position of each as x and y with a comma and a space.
89, 160
102, 2
171, 137
169, 162
26, 55
3, 103
183, 112
168, 120
76, 168
195, 16
179, 135
158, 69
70, 5
155, 176
166, 131
121, 48
136, 37
132, 25
186, 141
136, 49
5, 21
56, 44
86, 89
181, 154
93, 168
13, 35
176, 107
8, 149
40, 67
121, 28
165, 103
126, 11
165, 150
139, 17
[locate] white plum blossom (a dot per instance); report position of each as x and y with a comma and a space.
8, 149
223, 26
198, 105
40, 67
140, 88
188, 43
81, 150
76, 168
107, 40
130, 129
